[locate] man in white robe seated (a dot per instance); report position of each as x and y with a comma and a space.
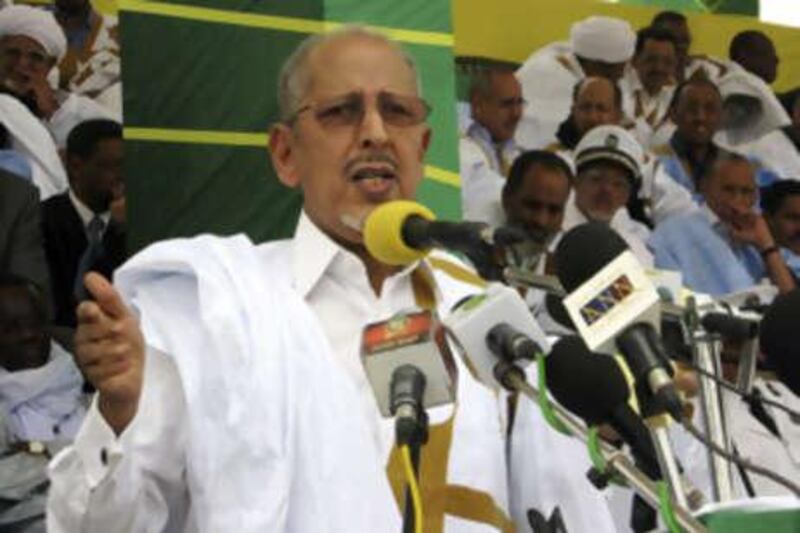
31, 45
487, 149
688, 64
649, 82
41, 396
231, 395
608, 161
725, 246
598, 46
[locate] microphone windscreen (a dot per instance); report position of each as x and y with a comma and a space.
590, 385
555, 308
383, 232
780, 341
585, 250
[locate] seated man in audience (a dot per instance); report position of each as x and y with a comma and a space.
598, 46
676, 23
40, 386
91, 64
780, 203
691, 153
725, 246
31, 45
488, 148
83, 228
597, 102
608, 161
21, 249
754, 51
649, 82
534, 198
41, 403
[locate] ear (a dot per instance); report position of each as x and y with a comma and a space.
426, 141
281, 149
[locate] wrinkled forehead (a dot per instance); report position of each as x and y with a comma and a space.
735, 172
365, 63
596, 88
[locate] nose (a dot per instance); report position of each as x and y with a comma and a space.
372, 131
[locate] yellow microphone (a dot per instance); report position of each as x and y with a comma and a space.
383, 232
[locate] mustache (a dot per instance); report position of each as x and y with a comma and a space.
373, 157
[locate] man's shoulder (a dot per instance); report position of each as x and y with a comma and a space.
682, 226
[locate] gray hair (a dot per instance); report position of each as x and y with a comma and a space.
294, 77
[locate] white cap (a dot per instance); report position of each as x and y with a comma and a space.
611, 143
39, 25
606, 39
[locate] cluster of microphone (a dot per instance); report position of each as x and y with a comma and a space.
605, 296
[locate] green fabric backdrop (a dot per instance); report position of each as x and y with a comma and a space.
197, 75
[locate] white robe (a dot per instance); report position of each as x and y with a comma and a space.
548, 78
314, 467
30, 138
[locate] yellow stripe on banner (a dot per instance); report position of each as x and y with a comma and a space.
227, 138
237, 138
252, 20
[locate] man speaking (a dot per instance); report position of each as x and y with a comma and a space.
230, 394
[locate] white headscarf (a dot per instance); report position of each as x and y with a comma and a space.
39, 25
606, 39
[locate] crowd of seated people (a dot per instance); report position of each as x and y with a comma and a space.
62, 213
682, 120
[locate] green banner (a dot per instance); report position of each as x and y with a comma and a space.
200, 96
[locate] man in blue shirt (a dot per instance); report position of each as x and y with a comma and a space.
725, 246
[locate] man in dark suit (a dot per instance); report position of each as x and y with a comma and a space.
84, 227
21, 249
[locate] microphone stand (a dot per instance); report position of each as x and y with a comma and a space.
706, 350
616, 462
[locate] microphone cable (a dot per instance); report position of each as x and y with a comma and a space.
740, 461
413, 487
747, 396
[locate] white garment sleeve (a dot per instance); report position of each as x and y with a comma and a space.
134, 483
668, 197
481, 187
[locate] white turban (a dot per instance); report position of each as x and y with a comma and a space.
768, 116
606, 39
37, 24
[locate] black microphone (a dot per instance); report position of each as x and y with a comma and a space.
406, 391
582, 253
593, 387
510, 344
780, 341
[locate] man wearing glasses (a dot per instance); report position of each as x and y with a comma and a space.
231, 396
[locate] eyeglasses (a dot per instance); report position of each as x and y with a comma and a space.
348, 110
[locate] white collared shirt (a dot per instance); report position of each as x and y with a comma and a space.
86, 215
334, 283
